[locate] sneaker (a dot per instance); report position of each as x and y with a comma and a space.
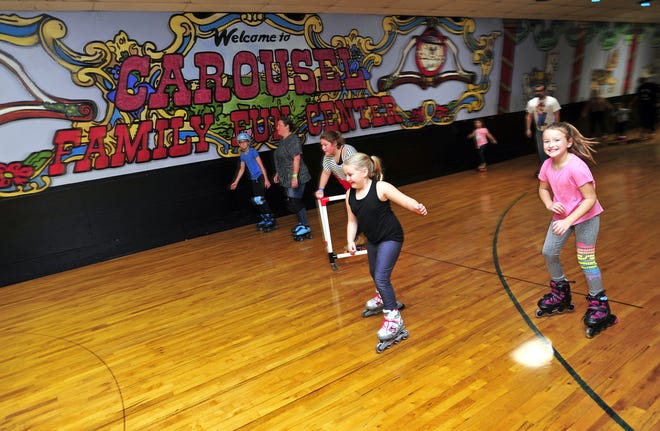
392, 325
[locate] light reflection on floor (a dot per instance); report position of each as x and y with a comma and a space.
535, 353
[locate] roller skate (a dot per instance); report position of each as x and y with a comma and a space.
598, 316
267, 223
375, 306
301, 232
392, 331
557, 301
482, 167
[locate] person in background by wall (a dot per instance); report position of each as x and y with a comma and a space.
596, 110
292, 174
621, 116
646, 100
335, 151
543, 110
258, 179
481, 137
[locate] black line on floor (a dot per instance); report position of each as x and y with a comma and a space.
485, 271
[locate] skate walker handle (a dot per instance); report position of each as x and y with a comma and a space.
322, 204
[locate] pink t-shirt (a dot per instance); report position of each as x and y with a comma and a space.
481, 136
565, 184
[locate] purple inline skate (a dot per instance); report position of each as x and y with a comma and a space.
557, 301
598, 316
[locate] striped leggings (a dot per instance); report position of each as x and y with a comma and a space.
585, 238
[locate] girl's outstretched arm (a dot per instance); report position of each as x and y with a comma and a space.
388, 191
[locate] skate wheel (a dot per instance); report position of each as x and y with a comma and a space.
334, 266
400, 305
590, 332
539, 313
367, 312
381, 347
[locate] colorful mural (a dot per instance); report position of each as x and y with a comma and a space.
223, 74
215, 75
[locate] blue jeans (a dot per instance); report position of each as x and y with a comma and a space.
382, 258
539, 146
295, 197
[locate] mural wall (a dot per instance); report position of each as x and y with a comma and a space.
92, 95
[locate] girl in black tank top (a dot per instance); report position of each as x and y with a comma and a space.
369, 211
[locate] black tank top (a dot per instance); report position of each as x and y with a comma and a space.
375, 217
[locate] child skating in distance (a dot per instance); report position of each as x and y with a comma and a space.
481, 137
368, 208
621, 116
258, 179
568, 190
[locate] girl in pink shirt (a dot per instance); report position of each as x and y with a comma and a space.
568, 190
481, 137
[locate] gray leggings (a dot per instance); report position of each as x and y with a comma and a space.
585, 238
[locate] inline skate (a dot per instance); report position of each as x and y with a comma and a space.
300, 232
267, 223
392, 331
557, 301
598, 316
375, 306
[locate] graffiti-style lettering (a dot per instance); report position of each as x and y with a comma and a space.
95, 152
205, 61
63, 143
339, 114
201, 128
256, 119
129, 148
276, 73
128, 99
171, 77
329, 78
333, 75
225, 37
303, 78
246, 85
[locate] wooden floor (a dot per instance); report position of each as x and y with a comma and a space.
242, 330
